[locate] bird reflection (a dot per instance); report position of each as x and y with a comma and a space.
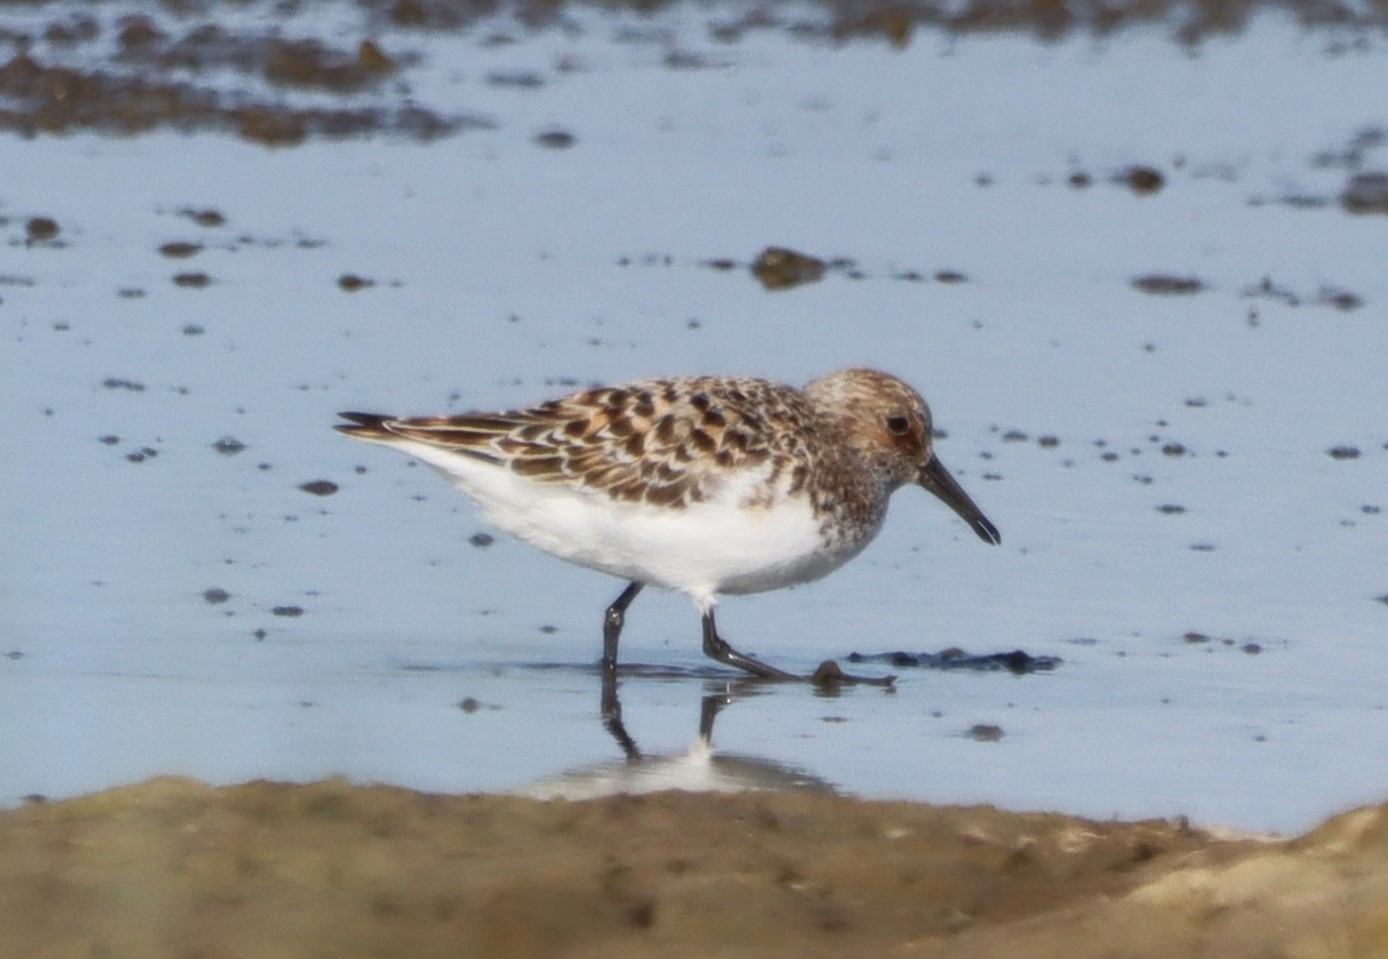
701, 768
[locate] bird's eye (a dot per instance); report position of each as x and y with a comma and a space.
898, 425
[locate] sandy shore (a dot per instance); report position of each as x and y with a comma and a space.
176, 868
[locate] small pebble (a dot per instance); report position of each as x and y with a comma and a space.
556, 139
41, 229
1143, 179
351, 282
179, 249
985, 732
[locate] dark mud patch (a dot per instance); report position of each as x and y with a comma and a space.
779, 268
39, 97
985, 733
229, 446
1342, 300
1014, 435
1334, 297
122, 383
180, 249
1209, 643
351, 282
207, 217
1166, 284
267, 79
1190, 21
555, 139
1366, 193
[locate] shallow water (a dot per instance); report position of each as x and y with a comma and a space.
1219, 606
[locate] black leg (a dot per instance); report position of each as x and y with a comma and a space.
717, 648
612, 625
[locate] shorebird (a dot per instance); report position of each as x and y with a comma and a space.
705, 485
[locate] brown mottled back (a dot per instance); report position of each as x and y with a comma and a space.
664, 442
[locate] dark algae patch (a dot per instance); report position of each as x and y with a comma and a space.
1017, 661
159, 78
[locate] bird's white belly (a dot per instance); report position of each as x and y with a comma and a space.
702, 549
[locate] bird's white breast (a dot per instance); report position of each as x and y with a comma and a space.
723, 544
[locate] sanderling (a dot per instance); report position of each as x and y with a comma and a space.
704, 484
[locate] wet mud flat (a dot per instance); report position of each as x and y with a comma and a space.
124, 70
172, 867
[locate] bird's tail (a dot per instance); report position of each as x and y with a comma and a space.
365, 426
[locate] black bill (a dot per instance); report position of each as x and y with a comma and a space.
936, 478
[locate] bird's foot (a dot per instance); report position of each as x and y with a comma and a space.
830, 676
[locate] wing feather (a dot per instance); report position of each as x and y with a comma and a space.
664, 442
